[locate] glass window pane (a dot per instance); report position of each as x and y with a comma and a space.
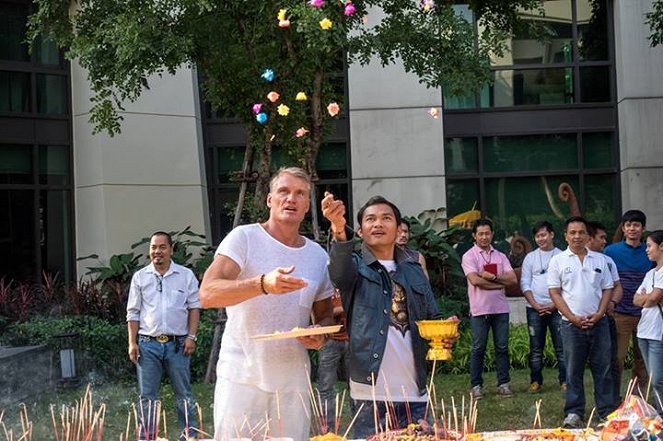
14, 92
17, 235
46, 52
332, 161
530, 153
459, 102
460, 155
531, 87
592, 30
600, 200
55, 237
462, 195
54, 164
229, 159
527, 49
13, 21
594, 84
15, 164
597, 151
52, 94
515, 204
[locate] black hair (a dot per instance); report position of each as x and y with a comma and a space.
634, 216
480, 223
406, 222
593, 227
164, 234
656, 236
377, 200
572, 219
540, 225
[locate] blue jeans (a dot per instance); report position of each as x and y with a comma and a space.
652, 353
481, 324
330, 357
579, 346
398, 416
538, 325
154, 358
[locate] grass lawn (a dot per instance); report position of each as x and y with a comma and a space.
495, 413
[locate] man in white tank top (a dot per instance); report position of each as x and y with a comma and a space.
269, 278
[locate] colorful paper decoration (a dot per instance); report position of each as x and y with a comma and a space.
283, 110
273, 96
301, 96
300, 132
333, 109
257, 108
268, 75
261, 118
325, 24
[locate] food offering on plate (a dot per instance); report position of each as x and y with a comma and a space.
298, 332
421, 431
633, 420
329, 436
535, 435
437, 332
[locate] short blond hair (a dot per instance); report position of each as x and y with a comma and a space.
297, 172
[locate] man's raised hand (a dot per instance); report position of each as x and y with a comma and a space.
279, 281
334, 211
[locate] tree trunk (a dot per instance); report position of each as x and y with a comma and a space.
210, 373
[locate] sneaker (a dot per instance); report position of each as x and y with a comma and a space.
534, 387
476, 393
563, 387
572, 421
504, 390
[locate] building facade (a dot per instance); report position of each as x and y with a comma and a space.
572, 124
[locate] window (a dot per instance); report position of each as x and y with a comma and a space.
36, 182
529, 178
571, 65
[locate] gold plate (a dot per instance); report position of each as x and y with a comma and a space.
299, 332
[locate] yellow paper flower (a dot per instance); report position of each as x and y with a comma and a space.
281, 15
301, 96
325, 24
283, 110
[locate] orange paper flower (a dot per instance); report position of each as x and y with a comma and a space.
333, 109
273, 96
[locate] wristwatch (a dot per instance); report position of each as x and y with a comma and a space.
192, 337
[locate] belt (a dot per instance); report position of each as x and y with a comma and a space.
162, 338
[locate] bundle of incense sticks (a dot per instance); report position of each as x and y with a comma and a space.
81, 422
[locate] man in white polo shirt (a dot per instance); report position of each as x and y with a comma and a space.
580, 286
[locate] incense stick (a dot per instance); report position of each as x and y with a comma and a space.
345, 435
589, 421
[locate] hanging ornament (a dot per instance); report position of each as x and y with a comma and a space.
283, 110
268, 75
273, 96
301, 96
325, 24
261, 118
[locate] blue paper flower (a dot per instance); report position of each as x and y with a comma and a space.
268, 75
261, 118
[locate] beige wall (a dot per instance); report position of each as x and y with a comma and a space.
640, 106
150, 177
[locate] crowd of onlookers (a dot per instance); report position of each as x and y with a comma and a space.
593, 300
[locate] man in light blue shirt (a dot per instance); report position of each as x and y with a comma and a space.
163, 312
542, 315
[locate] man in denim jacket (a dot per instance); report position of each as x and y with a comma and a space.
384, 293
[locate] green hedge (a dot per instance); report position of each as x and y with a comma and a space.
103, 344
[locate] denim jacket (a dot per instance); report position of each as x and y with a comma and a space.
366, 292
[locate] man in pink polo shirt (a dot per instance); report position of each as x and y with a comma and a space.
488, 272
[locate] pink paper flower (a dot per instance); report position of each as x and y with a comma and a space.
316, 3
257, 108
273, 96
333, 109
349, 9
301, 132
284, 23
434, 112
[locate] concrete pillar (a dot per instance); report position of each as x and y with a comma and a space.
150, 177
397, 148
639, 71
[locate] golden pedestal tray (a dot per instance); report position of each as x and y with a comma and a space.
436, 331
